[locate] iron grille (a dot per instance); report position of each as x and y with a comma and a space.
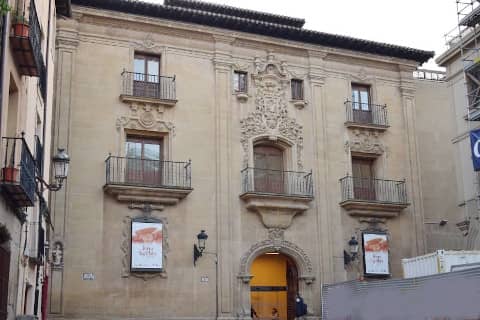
290, 183
148, 173
366, 113
374, 190
149, 86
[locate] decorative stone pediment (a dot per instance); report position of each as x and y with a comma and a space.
302, 260
270, 118
145, 117
365, 141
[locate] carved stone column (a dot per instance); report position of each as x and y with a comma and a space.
222, 68
414, 190
66, 46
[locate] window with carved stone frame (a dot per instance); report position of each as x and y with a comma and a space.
297, 89
240, 82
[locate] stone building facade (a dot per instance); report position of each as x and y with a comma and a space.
275, 140
437, 154
462, 74
26, 93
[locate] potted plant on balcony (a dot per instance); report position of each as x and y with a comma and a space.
10, 173
20, 26
4, 7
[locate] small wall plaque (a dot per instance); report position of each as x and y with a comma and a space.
88, 276
204, 279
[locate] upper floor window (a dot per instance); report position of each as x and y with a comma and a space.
363, 178
144, 155
297, 89
240, 81
361, 97
268, 171
146, 76
146, 68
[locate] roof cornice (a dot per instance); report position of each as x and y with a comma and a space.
260, 27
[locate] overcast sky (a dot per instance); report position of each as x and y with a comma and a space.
416, 23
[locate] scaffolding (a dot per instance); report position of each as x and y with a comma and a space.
468, 33
465, 38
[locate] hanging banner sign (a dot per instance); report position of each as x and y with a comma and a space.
475, 143
147, 246
375, 254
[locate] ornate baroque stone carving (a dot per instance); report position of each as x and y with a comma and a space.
276, 234
57, 255
125, 247
302, 260
365, 141
145, 117
270, 117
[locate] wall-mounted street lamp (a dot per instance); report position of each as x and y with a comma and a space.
353, 248
198, 250
60, 169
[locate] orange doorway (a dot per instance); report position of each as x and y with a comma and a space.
274, 287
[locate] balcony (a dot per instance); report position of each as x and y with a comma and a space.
150, 181
371, 197
18, 173
277, 196
153, 89
25, 41
366, 115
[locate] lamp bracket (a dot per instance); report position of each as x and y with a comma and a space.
51, 187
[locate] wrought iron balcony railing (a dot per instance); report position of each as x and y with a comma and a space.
148, 86
148, 173
373, 190
290, 183
366, 113
25, 40
18, 172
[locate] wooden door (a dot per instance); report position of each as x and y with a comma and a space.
268, 175
292, 289
363, 179
146, 78
362, 112
4, 275
144, 165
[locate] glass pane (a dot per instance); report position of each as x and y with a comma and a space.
355, 99
151, 151
243, 82
139, 69
153, 70
134, 149
364, 100
236, 81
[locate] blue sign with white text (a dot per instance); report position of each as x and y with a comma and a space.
475, 142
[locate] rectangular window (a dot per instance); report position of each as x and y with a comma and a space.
297, 89
146, 76
361, 97
240, 81
363, 178
144, 160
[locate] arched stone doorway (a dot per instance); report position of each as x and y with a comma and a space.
274, 286
292, 253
